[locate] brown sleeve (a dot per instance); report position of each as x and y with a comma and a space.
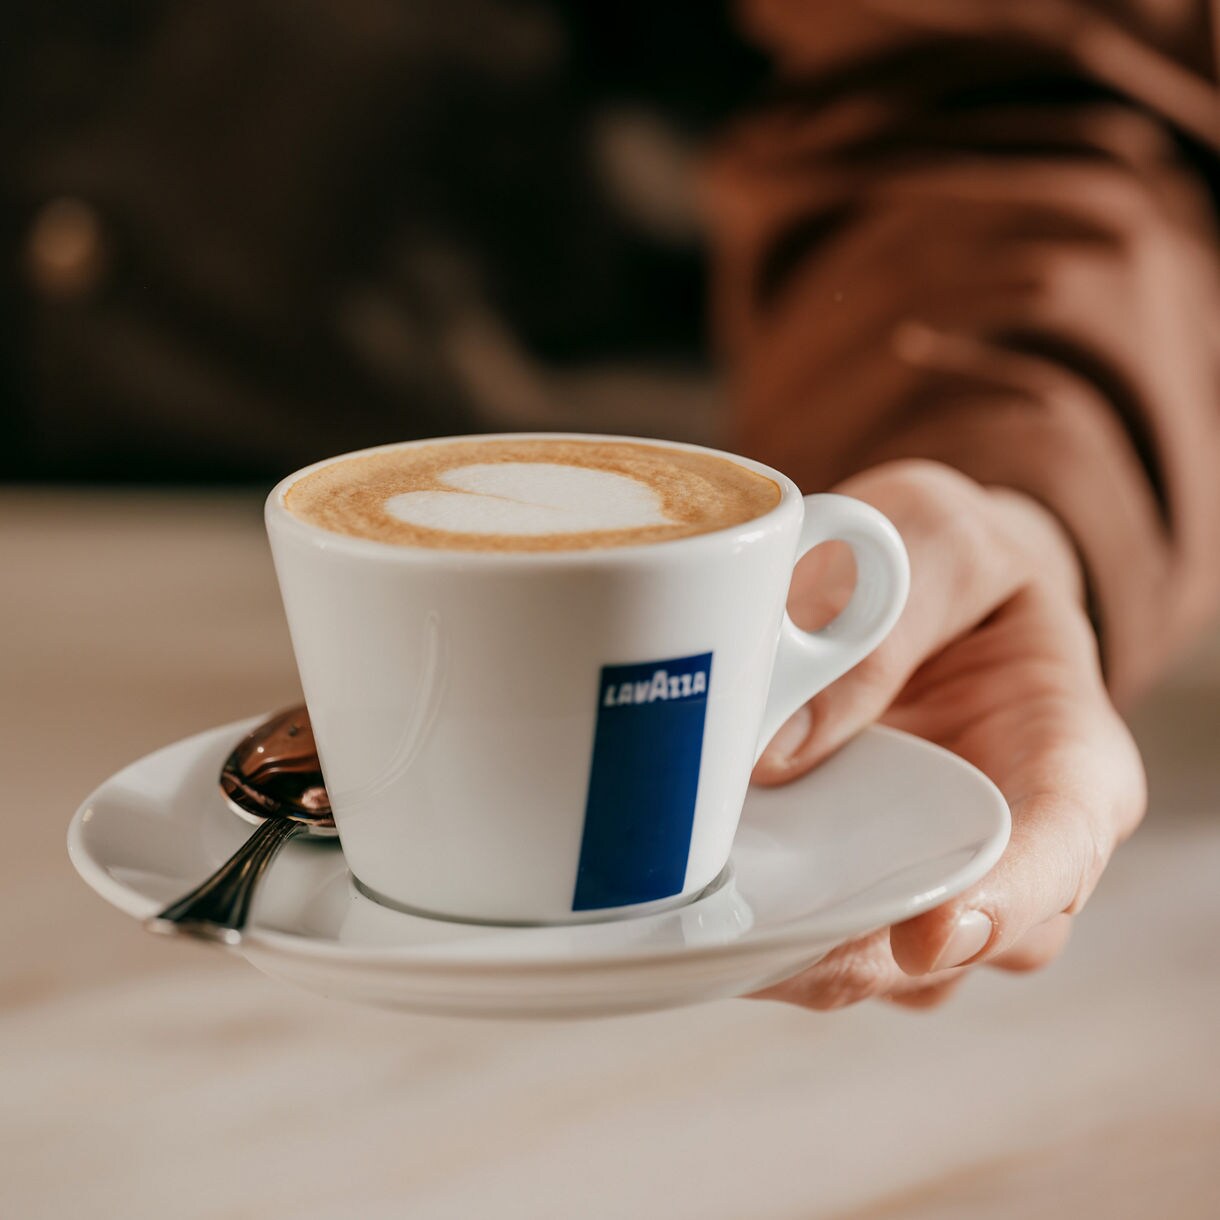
959, 231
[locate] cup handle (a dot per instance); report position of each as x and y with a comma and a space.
808, 661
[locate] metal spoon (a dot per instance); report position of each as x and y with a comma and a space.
272, 778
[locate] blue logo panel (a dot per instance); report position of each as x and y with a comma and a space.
642, 782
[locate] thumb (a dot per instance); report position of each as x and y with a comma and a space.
830, 719
962, 570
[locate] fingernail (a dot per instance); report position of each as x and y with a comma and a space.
969, 937
789, 738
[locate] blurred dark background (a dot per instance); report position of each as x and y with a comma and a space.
241, 236
237, 237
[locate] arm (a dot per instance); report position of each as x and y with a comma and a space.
950, 236
966, 279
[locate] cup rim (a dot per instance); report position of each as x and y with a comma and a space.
277, 515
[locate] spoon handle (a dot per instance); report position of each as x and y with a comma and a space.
217, 909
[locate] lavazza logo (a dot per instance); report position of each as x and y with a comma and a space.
662, 685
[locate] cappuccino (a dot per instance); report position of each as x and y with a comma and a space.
530, 494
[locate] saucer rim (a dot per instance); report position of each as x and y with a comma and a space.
811, 930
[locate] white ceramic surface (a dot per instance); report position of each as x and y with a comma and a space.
460, 700
887, 828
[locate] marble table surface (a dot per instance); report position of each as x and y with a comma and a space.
144, 1078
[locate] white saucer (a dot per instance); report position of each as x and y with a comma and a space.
887, 828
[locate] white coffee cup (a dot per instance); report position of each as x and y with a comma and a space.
561, 736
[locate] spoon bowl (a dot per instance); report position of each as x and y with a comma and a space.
274, 772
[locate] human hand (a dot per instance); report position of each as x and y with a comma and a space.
993, 658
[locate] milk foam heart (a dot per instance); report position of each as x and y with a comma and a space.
530, 498
529, 493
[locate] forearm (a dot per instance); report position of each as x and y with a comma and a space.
1028, 294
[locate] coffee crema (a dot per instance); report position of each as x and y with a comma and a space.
524, 494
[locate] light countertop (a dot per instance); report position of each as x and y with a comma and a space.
145, 1078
